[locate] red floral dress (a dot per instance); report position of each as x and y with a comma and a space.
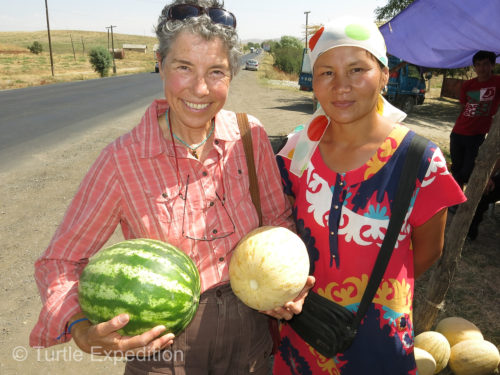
342, 218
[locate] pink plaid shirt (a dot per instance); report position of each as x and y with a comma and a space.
134, 183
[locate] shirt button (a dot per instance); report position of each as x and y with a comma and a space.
211, 204
239, 171
332, 233
216, 141
336, 207
333, 256
221, 259
218, 293
214, 231
164, 195
205, 174
341, 183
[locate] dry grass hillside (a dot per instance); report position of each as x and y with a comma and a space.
21, 68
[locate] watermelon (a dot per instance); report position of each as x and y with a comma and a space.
152, 281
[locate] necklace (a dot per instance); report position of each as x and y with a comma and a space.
192, 149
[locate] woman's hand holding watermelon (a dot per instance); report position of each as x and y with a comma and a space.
103, 339
294, 307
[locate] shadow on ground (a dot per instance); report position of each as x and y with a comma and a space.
435, 113
297, 105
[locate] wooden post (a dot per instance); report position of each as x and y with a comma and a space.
72, 46
113, 48
442, 84
426, 310
50, 42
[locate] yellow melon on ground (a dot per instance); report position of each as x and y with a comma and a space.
435, 344
457, 329
425, 362
474, 357
269, 267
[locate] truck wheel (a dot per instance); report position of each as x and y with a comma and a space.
407, 103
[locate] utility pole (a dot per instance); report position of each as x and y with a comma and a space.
83, 45
307, 19
112, 47
72, 46
50, 42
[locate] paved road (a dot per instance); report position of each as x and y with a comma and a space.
36, 117
58, 110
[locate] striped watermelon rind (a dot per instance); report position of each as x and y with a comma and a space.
152, 281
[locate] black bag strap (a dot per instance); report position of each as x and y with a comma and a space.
406, 186
246, 137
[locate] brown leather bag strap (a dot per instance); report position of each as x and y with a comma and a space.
246, 137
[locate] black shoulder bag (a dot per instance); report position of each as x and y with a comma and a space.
329, 327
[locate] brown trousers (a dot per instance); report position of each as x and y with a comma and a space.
225, 337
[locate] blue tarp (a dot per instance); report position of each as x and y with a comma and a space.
444, 33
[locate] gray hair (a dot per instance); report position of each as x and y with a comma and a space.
168, 30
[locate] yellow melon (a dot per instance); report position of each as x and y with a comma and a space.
425, 362
474, 357
457, 329
269, 267
435, 344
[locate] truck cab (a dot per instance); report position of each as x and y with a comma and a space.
406, 86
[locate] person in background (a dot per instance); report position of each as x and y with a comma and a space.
479, 100
341, 173
179, 176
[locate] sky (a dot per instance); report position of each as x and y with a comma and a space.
256, 19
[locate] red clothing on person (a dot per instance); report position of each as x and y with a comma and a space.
342, 218
134, 184
480, 101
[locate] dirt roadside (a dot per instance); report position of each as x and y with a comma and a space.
36, 193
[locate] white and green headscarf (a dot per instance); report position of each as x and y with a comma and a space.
342, 32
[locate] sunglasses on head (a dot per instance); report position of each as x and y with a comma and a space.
217, 15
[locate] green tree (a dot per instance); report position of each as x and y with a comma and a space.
36, 48
291, 41
101, 60
287, 54
392, 8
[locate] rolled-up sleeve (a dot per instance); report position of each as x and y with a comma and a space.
89, 221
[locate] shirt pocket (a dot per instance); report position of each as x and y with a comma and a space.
167, 208
239, 189
238, 184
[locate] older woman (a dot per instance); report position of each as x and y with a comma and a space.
341, 171
179, 176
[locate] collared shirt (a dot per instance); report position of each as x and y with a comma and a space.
135, 183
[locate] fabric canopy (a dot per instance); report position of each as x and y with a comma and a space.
444, 33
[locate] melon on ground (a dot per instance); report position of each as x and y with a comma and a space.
474, 357
152, 281
435, 344
426, 365
269, 267
457, 329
